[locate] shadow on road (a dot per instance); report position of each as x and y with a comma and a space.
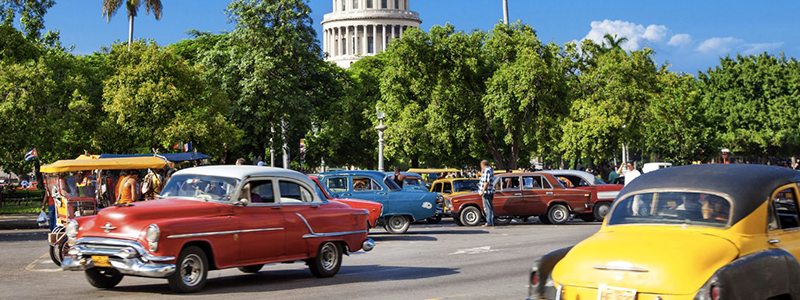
283, 280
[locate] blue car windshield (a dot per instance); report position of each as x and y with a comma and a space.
672, 208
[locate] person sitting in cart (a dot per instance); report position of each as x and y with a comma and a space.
128, 191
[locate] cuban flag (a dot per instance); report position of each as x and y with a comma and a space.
31, 154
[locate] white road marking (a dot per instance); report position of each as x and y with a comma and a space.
41, 260
477, 250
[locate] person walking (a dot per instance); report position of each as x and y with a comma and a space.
631, 174
486, 190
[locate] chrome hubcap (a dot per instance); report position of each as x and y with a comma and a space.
192, 270
558, 215
397, 222
602, 210
471, 217
329, 256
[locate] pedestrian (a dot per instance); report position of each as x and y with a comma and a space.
486, 190
240, 161
50, 203
726, 159
128, 192
631, 174
613, 175
398, 177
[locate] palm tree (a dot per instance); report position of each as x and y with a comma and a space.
110, 7
613, 42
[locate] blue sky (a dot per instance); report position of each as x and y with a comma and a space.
690, 35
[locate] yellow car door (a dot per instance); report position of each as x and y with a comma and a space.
784, 221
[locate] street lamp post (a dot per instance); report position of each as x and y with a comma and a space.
380, 129
505, 12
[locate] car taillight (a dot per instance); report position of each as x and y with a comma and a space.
714, 293
535, 278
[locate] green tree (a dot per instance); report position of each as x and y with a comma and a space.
611, 103
343, 133
31, 15
432, 90
110, 8
754, 101
678, 127
49, 100
153, 98
272, 69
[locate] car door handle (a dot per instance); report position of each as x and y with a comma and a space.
276, 207
314, 206
774, 241
382, 193
518, 194
549, 193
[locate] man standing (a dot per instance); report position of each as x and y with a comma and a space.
486, 190
631, 174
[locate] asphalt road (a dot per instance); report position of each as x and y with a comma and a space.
430, 262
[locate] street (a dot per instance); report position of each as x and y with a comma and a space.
441, 261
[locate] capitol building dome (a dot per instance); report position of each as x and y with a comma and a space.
358, 28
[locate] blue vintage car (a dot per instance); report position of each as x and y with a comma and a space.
400, 207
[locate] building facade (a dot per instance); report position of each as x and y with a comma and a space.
358, 28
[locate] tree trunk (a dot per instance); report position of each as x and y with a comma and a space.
130, 32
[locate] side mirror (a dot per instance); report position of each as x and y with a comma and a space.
242, 202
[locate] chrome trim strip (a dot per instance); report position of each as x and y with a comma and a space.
313, 234
559, 291
304, 221
329, 234
629, 269
178, 236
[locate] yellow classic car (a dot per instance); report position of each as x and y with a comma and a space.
694, 232
454, 186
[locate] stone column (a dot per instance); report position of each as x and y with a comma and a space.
401, 30
325, 42
383, 36
374, 38
357, 42
364, 41
348, 43
393, 35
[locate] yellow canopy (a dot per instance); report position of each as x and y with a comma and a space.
432, 171
70, 165
83, 157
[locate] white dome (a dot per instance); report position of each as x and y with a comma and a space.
358, 28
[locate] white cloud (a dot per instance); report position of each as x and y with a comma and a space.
719, 45
638, 35
761, 47
680, 40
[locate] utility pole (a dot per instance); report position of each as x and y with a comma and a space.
505, 12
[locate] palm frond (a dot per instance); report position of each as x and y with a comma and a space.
110, 8
155, 5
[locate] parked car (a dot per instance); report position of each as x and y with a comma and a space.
374, 209
216, 217
650, 167
400, 207
454, 186
521, 195
693, 232
602, 193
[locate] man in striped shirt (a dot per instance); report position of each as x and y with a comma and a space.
486, 190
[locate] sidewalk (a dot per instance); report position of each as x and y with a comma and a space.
18, 221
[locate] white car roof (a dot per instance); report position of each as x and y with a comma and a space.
241, 172
588, 177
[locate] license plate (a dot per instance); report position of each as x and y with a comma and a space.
101, 261
614, 293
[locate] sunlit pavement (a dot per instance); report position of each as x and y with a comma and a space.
430, 262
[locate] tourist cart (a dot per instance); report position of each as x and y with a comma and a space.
77, 192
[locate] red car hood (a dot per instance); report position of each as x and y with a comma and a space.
131, 221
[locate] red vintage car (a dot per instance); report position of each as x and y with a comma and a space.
603, 194
522, 195
217, 217
374, 209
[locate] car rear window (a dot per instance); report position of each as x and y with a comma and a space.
672, 208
